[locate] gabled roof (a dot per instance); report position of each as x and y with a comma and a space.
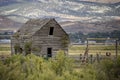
34, 25
31, 26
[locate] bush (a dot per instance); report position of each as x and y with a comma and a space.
31, 67
17, 48
62, 63
108, 69
28, 47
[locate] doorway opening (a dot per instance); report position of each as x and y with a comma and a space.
49, 52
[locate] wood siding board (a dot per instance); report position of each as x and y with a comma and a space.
41, 38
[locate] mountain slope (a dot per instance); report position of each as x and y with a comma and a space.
103, 1
62, 10
7, 24
74, 15
109, 26
68, 26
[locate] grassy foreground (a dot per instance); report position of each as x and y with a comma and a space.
31, 67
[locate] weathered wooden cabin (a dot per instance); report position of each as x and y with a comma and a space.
43, 37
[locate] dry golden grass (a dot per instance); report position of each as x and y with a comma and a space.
5, 49
73, 50
4, 45
93, 49
5, 53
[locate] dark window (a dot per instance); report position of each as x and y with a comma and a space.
51, 30
49, 52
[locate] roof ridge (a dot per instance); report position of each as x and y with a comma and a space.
41, 27
32, 26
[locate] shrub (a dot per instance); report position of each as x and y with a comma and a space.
31, 67
64, 41
108, 69
17, 48
62, 63
28, 47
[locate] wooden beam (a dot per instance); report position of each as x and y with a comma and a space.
102, 39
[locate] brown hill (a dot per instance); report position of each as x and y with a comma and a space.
8, 24
69, 26
91, 27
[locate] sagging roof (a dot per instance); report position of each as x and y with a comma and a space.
33, 25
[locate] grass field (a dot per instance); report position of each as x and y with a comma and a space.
74, 49
93, 49
5, 49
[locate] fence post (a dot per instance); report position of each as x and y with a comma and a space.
98, 58
11, 46
80, 57
91, 58
87, 49
116, 48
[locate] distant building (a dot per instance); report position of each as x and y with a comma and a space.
90, 42
77, 43
6, 32
5, 40
110, 41
43, 37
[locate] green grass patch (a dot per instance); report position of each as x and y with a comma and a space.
4, 48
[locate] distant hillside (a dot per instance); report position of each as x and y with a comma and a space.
62, 10
103, 1
108, 26
8, 24
69, 26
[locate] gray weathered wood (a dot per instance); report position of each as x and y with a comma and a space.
36, 31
